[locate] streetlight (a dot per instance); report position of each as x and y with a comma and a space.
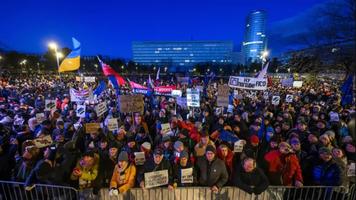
264, 56
54, 46
288, 70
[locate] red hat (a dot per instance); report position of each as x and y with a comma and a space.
254, 139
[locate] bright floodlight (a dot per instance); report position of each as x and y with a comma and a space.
52, 45
265, 54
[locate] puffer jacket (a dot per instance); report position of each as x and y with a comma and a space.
210, 174
125, 180
327, 174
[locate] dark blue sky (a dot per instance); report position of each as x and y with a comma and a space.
108, 27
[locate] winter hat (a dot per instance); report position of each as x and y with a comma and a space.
123, 156
158, 151
178, 144
114, 145
131, 139
184, 154
254, 139
146, 145
210, 148
330, 133
324, 150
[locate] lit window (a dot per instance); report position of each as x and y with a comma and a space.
247, 25
156, 51
253, 50
177, 48
258, 33
187, 61
214, 60
191, 54
159, 49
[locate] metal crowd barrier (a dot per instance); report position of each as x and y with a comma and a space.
16, 191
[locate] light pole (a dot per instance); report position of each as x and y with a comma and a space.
264, 56
54, 46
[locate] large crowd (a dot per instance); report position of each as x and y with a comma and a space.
307, 142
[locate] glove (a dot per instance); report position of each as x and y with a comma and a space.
113, 192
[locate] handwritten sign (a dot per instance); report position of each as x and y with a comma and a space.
187, 175
101, 108
155, 179
139, 158
112, 124
92, 127
131, 103
165, 128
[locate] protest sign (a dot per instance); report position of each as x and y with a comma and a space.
182, 102
248, 83
43, 141
239, 146
131, 103
193, 97
176, 93
40, 117
81, 111
164, 90
89, 79
297, 84
275, 100
288, 82
289, 98
265, 95
139, 158
165, 128
92, 127
351, 169
155, 179
223, 95
187, 175
81, 95
113, 124
101, 108
50, 105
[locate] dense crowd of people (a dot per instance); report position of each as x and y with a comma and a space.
308, 142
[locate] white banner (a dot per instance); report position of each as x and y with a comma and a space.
50, 105
81, 95
193, 97
101, 108
155, 179
187, 175
248, 83
81, 111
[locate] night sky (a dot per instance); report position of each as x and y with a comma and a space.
108, 27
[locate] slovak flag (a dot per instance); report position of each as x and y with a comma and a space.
114, 77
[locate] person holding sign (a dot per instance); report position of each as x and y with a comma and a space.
158, 163
123, 177
211, 170
184, 172
249, 177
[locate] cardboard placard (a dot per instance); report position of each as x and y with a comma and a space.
131, 103
40, 117
43, 141
223, 95
101, 108
193, 97
50, 105
113, 124
187, 175
92, 127
81, 111
166, 128
275, 100
139, 158
155, 179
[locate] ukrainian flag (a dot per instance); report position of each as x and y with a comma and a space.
72, 61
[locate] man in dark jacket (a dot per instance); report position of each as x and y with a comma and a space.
327, 172
184, 164
156, 164
212, 171
249, 177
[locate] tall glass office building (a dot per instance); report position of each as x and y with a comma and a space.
255, 40
181, 53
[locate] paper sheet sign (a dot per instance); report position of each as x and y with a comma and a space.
155, 179
50, 105
289, 98
275, 100
193, 97
92, 127
81, 111
187, 175
113, 124
139, 158
165, 128
101, 108
239, 146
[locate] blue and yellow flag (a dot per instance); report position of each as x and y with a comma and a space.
72, 61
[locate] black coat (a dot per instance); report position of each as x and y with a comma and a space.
250, 182
210, 174
150, 166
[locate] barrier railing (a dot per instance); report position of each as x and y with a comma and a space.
16, 190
